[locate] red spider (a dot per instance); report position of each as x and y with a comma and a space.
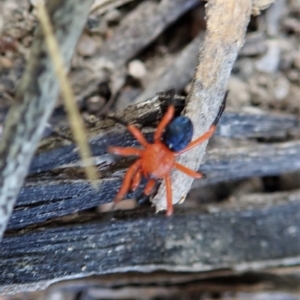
171, 138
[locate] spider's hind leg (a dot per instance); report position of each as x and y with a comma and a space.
136, 180
188, 171
144, 197
149, 187
169, 195
127, 180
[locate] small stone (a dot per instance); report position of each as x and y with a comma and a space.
293, 75
244, 67
33, 2
113, 16
94, 104
86, 46
297, 60
292, 24
281, 88
273, 17
188, 88
102, 28
6, 62
239, 94
254, 45
137, 69
269, 63
92, 24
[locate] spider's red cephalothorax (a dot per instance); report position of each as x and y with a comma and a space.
158, 159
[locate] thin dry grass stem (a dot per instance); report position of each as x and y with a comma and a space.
75, 119
102, 6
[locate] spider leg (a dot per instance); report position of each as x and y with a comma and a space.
127, 180
131, 128
149, 187
136, 180
188, 171
210, 131
199, 140
164, 122
138, 135
125, 151
169, 195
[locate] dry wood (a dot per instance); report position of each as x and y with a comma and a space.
176, 285
44, 244
254, 232
36, 98
136, 31
178, 74
259, 5
281, 278
140, 28
226, 26
55, 151
64, 191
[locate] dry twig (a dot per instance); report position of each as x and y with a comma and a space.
35, 100
253, 232
226, 26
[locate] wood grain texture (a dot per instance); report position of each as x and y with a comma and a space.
52, 190
141, 28
178, 74
136, 31
256, 232
226, 27
65, 191
55, 151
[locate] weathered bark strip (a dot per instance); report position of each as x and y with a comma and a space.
232, 125
55, 151
136, 31
175, 285
226, 27
65, 191
252, 161
35, 100
178, 74
263, 231
141, 28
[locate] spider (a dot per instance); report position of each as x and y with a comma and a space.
172, 137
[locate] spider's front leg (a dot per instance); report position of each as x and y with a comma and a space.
168, 116
210, 131
125, 151
132, 129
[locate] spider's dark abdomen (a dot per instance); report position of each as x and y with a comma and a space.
178, 134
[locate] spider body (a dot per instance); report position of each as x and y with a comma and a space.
157, 161
172, 137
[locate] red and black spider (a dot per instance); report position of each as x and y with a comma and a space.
172, 137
